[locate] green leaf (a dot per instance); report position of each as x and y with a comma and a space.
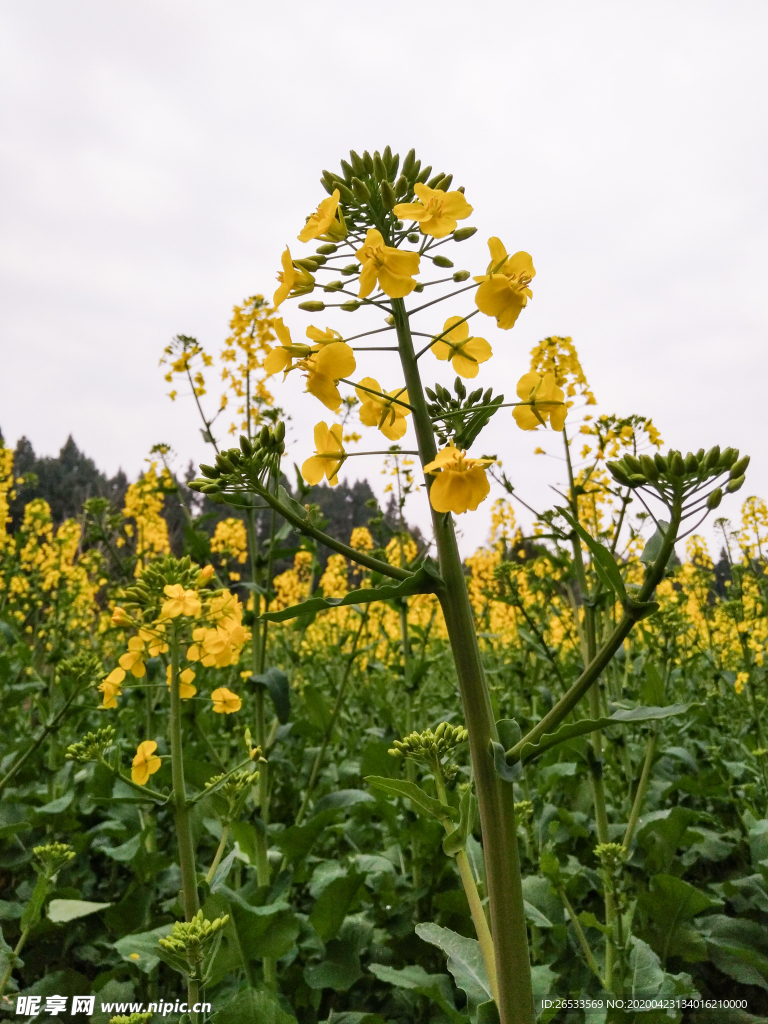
487, 1013
142, 949
269, 930
654, 544
340, 799
333, 904
646, 976
436, 987
124, 853
587, 725
34, 909
509, 735
61, 911
341, 967
653, 685
456, 840
276, 682
57, 806
253, 1005
297, 840
739, 948
465, 961
14, 828
426, 805
603, 561
424, 581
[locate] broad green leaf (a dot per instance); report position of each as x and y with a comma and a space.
424, 581
436, 987
427, 805
124, 853
61, 911
342, 798
654, 544
142, 949
341, 967
333, 904
57, 806
465, 961
603, 561
456, 840
653, 685
739, 948
509, 735
646, 975
587, 725
34, 909
276, 682
252, 1005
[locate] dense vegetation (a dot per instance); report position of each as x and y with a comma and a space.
178, 734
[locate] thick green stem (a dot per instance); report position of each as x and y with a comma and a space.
219, 854
495, 797
585, 948
410, 767
637, 804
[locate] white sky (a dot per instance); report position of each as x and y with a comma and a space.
157, 156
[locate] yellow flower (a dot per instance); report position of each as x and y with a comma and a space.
181, 602
504, 290
111, 688
460, 484
547, 399
281, 357
225, 702
436, 212
186, 689
205, 574
292, 279
154, 639
323, 221
329, 455
465, 353
145, 763
120, 617
741, 681
325, 368
321, 337
133, 660
380, 411
392, 268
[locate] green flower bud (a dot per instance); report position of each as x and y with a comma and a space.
460, 234
388, 196
401, 185
661, 462
648, 467
737, 469
424, 174
351, 268
351, 306
445, 183
358, 167
442, 261
419, 287
209, 471
432, 183
632, 463
224, 463
347, 196
379, 170
712, 458
727, 458
361, 191
333, 286
700, 455
328, 249
691, 463
409, 164
280, 431
196, 485
308, 263
391, 161
637, 480
461, 275
328, 182
413, 237
714, 499
246, 446
208, 488
734, 485
676, 464
314, 306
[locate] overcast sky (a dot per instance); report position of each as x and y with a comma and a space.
158, 155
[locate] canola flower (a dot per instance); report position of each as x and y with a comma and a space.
180, 602
436, 212
225, 702
460, 483
546, 402
186, 677
326, 221
464, 352
145, 762
329, 455
392, 268
282, 357
324, 370
504, 291
292, 280
377, 408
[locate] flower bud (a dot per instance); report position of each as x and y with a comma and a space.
280, 431
328, 183
413, 237
424, 173
388, 196
401, 185
333, 286
313, 306
712, 457
714, 499
351, 268
445, 183
308, 263
676, 464
461, 275
328, 249
351, 306
727, 458
661, 462
618, 473
361, 191
637, 480
700, 455
379, 170
358, 167
460, 234
734, 485
264, 435
210, 471
442, 261
632, 463
737, 469
419, 287
409, 164
223, 462
691, 463
648, 467
208, 488
432, 183
246, 446
319, 259
347, 197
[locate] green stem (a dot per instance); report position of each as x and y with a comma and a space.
495, 797
45, 732
588, 955
219, 853
637, 804
12, 960
183, 827
410, 767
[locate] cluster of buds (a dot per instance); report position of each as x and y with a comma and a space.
131, 1018
462, 417
233, 790
249, 463
92, 746
611, 855
192, 939
81, 666
431, 747
52, 857
676, 476
148, 592
523, 812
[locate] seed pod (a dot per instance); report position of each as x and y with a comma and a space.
648, 467
727, 458
661, 462
633, 464
358, 165
676, 464
413, 237
445, 183
442, 261
714, 499
434, 180
209, 471
424, 173
738, 468
618, 473
735, 484
348, 172
328, 249
351, 306
461, 234
313, 306
280, 431
361, 191
691, 463
388, 196
409, 164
